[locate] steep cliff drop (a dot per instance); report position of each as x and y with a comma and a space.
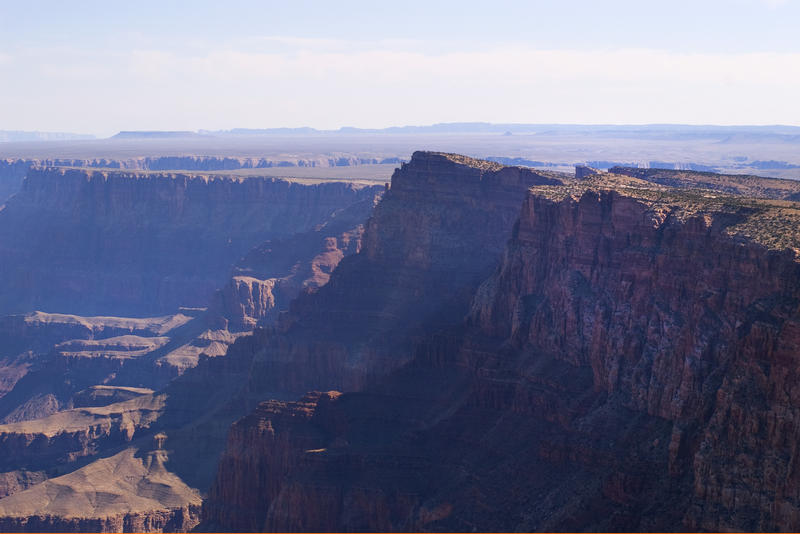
628, 366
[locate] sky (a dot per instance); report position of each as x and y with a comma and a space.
99, 67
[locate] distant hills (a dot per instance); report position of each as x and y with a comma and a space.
653, 131
724, 134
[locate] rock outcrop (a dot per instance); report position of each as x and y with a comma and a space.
133, 244
437, 232
105, 395
131, 491
284, 433
628, 366
518, 350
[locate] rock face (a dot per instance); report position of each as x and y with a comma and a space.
132, 244
430, 242
437, 232
628, 366
75, 390
192, 163
519, 351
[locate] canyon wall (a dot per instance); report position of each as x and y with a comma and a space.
128, 244
628, 366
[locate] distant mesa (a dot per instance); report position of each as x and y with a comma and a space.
154, 134
726, 134
268, 131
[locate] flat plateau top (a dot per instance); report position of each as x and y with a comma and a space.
356, 174
773, 223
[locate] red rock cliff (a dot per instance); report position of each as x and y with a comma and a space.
629, 366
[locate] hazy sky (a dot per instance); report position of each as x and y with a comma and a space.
100, 67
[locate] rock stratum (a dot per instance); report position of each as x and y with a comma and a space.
494, 349
627, 366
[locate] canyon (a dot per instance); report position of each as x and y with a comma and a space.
472, 347
78, 393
